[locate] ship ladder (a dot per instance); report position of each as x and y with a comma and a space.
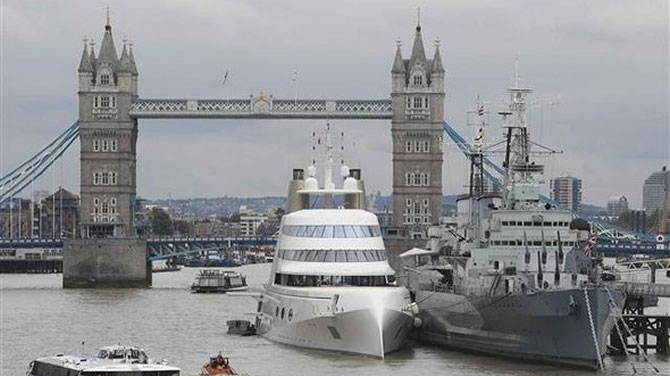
593, 329
630, 333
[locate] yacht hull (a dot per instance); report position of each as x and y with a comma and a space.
360, 332
550, 326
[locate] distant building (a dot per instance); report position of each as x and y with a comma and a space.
567, 192
15, 218
652, 191
60, 214
250, 221
617, 205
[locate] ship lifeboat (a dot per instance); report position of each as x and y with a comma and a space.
218, 365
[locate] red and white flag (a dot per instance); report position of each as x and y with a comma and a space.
590, 244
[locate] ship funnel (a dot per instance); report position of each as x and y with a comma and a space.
297, 201
353, 182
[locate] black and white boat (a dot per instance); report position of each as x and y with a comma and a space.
109, 361
219, 281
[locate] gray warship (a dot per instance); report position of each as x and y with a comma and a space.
514, 277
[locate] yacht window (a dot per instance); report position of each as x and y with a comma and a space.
330, 256
339, 232
505, 223
328, 231
547, 224
340, 256
547, 243
358, 231
537, 224
505, 242
349, 232
527, 223
537, 242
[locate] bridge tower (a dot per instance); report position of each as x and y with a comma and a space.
418, 114
107, 253
108, 135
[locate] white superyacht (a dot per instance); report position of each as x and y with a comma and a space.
331, 286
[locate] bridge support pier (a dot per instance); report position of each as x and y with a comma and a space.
106, 262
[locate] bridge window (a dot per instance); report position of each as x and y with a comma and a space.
417, 102
104, 102
104, 79
96, 145
105, 178
418, 80
332, 255
426, 147
408, 146
112, 201
113, 144
112, 178
105, 145
96, 201
96, 178
336, 280
337, 231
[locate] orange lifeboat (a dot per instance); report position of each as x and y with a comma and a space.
217, 365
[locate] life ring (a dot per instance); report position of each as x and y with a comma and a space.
660, 238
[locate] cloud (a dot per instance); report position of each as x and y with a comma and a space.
606, 60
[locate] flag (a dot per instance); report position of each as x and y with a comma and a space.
590, 244
480, 112
295, 75
225, 77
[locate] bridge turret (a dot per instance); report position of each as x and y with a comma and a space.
418, 114
108, 135
85, 69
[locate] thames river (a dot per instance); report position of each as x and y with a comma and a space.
38, 319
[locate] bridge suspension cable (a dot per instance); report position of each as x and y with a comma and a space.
18, 179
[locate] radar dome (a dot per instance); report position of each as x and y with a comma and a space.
311, 184
350, 184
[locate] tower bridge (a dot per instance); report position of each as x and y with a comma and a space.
107, 251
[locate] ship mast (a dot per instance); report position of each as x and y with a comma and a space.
519, 181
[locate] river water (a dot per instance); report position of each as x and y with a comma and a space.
38, 319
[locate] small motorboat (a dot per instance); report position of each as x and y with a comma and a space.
218, 365
241, 327
221, 281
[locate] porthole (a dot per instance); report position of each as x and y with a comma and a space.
290, 314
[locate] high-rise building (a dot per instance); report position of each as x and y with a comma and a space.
617, 205
567, 192
416, 130
652, 191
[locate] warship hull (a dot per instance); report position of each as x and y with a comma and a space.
548, 326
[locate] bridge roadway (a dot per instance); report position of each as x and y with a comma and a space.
159, 247
262, 106
166, 247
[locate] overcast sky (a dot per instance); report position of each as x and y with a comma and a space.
604, 64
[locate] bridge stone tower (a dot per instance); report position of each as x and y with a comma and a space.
418, 114
108, 254
107, 87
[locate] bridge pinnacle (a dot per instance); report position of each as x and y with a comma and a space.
108, 24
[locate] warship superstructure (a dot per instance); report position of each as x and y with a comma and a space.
513, 278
